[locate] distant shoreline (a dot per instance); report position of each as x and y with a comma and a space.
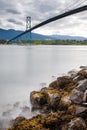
46, 42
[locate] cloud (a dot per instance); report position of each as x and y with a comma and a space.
14, 13
14, 22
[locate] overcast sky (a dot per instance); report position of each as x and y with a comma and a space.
13, 16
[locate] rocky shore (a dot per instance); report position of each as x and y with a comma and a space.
62, 105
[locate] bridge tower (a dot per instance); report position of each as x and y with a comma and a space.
28, 26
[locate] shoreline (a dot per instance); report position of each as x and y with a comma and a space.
61, 105
47, 42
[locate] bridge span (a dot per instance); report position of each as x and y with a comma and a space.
70, 12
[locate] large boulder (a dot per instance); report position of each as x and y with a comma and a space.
72, 73
61, 106
83, 67
53, 97
77, 110
82, 85
76, 96
81, 111
81, 75
65, 102
53, 85
19, 119
66, 83
75, 124
38, 99
28, 124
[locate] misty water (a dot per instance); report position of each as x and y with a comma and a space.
27, 68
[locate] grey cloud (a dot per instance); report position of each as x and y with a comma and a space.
43, 10
65, 23
7, 6
3, 4
45, 6
14, 21
47, 9
13, 11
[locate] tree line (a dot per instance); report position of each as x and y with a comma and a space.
46, 42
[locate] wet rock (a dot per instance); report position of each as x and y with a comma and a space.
63, 81
78, 78
76, 96
65, 102
82, 86
82, 72
81, 111
17, 120
37, 99
61, 106
36, 123
77, 110
50, 97
72, 109
77, 124
72, 73
81, 75
53, 84
83, 67
66, 83
52, 120
53, 97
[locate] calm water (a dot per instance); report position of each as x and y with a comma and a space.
27, 68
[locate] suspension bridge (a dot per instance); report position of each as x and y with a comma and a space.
60, 16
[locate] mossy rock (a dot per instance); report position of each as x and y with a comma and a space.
53, 97
29, 124
65, 82
18, 120
65, 102
37, 98
83, 73
53, 84
60, 105
72, 109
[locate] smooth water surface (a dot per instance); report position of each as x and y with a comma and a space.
24, 68
27, 68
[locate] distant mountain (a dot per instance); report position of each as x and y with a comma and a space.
66, 37
8, 34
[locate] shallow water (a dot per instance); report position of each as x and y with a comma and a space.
27, 68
